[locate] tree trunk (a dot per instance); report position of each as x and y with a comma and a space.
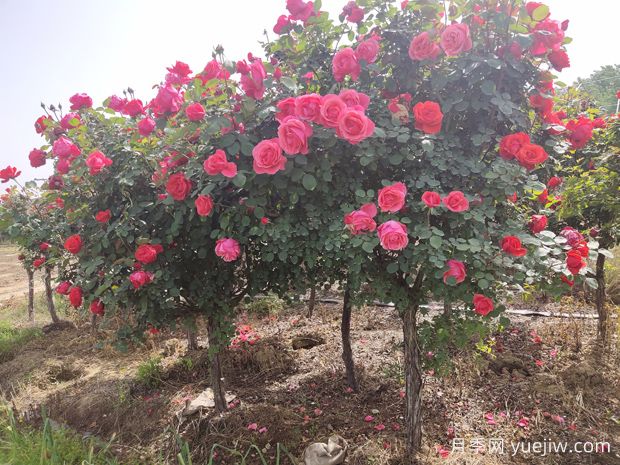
345, 331
192, 339
217, 381
50, 295
600, 300
93, 323
30, 273
311, 302
447, 309
413, 382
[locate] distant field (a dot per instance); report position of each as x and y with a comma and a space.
13, 279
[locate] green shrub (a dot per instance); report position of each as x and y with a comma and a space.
12, 338
150, 373
264, 306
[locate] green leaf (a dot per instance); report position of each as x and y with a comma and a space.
540, 13
288, 82
392, 268
239, 180
368, 247
436, 242
309, 182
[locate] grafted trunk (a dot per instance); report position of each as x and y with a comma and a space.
192, 339
30, 273
217, 380
413, 383
345, 331
601, 309
311, 302
51, 308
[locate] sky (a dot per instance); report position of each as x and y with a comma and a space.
49, 50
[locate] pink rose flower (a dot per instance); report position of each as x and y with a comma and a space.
218, 164
423, 48
345, 63
332, 107
431, 199
456, 270
195, 112
285, 108
456, 202
392, 198
308, 107
79, 101
146, 126
393, 235
140, 278
252, 82
293, 135
133, 108
354, 126
268, 158
204, 205
64, 147
359, 221
167, 100
367, 50
96, 161
354, 98
228, 249
455, 39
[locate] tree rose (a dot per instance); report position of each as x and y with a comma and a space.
75, 296
147, 253
79, 101
103, 216
456, 270
423, 48
97, 307
37, 158
428, 117
140, 278
482, 305
218, 164
512, 246
530, 155
431, 199
392, 198
195, 111
293, 135
73, 244
204, 205
228, 249
345, 63
63, 288
455, 39
456, 202
510, 145
146, 126
96, 162
268, 158
393, 235
178, 186
574, 262
354, 126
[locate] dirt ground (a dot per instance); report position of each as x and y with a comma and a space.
542, 382
13, 278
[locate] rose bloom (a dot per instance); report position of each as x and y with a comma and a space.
178, 186
167, 100
140, 278
41, 124
530, 155
553, 182
75, 296
252, 82
55, 182
133, 108
285, 108
582, 248
455, 39
282, 24
204, 205
510, 145
97, 307
572, 236
96, 161
64, 147
308, 107
352, 12
538, 223
428, 117
580, 132
147, 253
332, 108
218, 164
345, 63
38, 262
431, 199
67, 122
268, 158
354, 98
117, 103
482, 305
456, 270
548, 35
456, 202
367, 50
73, 244
359, 221
541, 104
43, 246
512, 246
574, 262
63, 288
37, 158
227, 249
79, 101
393, 235
392, 198
543, 197
299, 10
195, 111
103, 216
146, 126
423, 48
354, 126
559, 60
293, 135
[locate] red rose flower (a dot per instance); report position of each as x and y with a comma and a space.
423, 48
554, 182
456, 270
530, 155
228, 249
146, 126
482, 305
103, 216
195, 112
75, 296
512, 246
38, 262
332, 108
73, 244
428, 117
455, 39
293, 135
97, 307
354, 126
538, 223
133, 108
218, 164
574, 262
79, 101
268, 158
359, 221
354, 98
178, 186
367, 50
559, 60
204, 205
96, 161
393, 235
431, 199
8, 173
308, 107
63, 288
286, 107
456, 202
140, 278
147, 253
510, 145
42, 123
